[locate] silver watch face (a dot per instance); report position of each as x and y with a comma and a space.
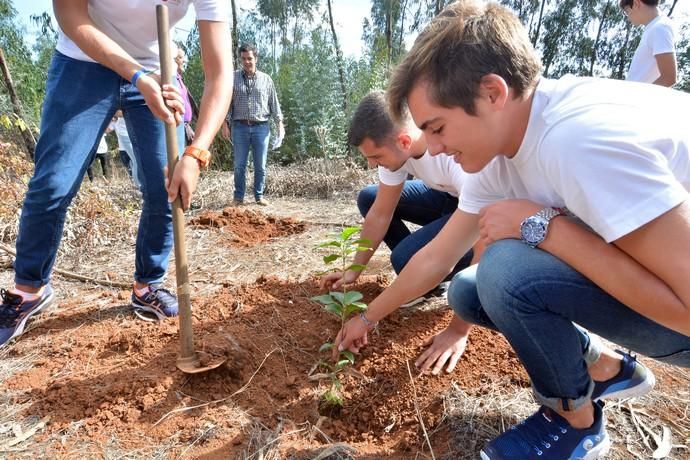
533, 230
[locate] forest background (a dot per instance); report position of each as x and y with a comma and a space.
300, 46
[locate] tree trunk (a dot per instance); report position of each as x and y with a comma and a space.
673, 5
535, 38
401, 37
235, 45
621, 62
16, 105
595, 46
338, 56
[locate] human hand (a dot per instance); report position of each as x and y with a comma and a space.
352, 336
225, 131
445, 347
164, 102
334, 280
184, 180
501, 220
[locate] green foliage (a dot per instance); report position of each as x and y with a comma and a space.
341, 246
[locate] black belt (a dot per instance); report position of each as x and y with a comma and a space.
250, 122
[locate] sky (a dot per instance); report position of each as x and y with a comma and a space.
348, 15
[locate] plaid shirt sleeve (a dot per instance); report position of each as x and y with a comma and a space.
274, 105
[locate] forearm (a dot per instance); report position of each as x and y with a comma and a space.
374, 229
218, 81
423, 272
75, 22
612, 270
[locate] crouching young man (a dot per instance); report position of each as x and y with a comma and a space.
579, 190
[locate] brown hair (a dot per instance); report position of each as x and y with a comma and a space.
626, 3
465, 42
371, 120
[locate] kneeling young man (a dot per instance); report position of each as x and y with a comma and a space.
578, 187
399, 149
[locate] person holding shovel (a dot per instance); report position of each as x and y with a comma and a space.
579, 192
106, 60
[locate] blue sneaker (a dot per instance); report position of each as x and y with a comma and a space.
156, 305
634, 379
15, 312
547, 435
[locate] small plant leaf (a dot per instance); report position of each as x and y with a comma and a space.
338, 296
351, 297
330, 258
324, 299
363, 242
348, 355
348, 232
357, 267
363, 248
325, 347
334, 308
327, 244
341, 364
354, 308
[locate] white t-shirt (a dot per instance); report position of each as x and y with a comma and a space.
120, 128
657, 38
102, 145
615, 153
439, 172
132, 24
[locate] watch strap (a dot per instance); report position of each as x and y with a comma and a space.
201, 155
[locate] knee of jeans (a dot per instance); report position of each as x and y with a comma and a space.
366, 198
462, 296
502, 274
399, 258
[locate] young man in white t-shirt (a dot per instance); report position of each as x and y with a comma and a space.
106, 59
654, 60
616, 262
398, 149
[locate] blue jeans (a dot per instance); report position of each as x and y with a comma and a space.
81, 98
244, 137
534, 299
421, 205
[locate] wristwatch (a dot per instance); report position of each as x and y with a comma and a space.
533, 229
201, 155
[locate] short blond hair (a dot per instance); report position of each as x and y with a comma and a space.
466, 41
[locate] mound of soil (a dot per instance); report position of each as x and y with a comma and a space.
245, 227
109, 376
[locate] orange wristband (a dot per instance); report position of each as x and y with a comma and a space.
201, 155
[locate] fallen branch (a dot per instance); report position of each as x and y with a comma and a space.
26, 435
419, 413
75, 276
241, 390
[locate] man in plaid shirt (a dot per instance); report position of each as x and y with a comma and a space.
254, 102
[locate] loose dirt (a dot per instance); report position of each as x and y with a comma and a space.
117, 375
246, 227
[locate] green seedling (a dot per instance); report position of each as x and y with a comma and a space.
342, 304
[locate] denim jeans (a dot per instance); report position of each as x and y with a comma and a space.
81, 98
534, 299
244, 137
421, 205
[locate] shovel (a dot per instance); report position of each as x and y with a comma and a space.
188, 361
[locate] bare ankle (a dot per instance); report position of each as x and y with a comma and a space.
26, 288
580, 418
606, 367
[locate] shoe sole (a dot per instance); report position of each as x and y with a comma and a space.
45, 303
640, 389
601, 450
146, 314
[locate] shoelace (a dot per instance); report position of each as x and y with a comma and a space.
11, 304
536, 428
154, 295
